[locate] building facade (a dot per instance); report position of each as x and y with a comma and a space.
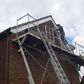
12, 66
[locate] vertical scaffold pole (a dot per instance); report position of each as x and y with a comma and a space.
28, 21
30, 78
17, 30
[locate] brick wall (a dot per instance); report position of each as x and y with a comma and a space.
18, 73
42, 28
17, 69
3, 59
69, 70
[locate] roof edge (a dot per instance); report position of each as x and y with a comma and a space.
9, 29
22, 24
5, 33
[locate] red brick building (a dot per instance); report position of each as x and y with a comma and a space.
12, 67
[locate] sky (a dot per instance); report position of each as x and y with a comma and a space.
68, 13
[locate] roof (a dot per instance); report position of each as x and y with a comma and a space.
25, 25
30, 22
5, 33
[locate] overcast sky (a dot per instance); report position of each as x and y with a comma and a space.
68, 13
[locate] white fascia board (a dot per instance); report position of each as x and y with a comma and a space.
14, 30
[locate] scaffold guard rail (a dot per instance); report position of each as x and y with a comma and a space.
49, 32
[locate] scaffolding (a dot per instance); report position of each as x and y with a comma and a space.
51, 35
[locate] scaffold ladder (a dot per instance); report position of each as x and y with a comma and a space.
54, 61
30, 78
